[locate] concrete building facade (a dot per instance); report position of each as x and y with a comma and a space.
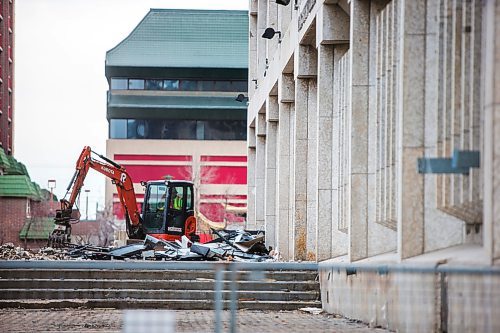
373, 131
172, 107
7, 76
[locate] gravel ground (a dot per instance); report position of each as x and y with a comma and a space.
110, 320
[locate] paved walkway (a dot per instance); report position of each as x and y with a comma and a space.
110, 320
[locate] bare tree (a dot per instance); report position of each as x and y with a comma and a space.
107, 225
199, 176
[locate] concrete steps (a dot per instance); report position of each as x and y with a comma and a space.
200, 284
180, 289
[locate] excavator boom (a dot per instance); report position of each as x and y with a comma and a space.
125, 188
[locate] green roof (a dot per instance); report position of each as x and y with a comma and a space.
38, 191
18, 186
4, 159
37, 228
15, 167
23, 169
185, 38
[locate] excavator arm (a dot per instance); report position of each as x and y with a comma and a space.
125, 188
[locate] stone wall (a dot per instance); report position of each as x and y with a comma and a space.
342, 107
345, 110
419, 299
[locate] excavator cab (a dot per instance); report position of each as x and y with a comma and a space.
168, 209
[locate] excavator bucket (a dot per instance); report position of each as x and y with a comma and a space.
62, 228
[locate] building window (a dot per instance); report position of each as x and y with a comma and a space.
189, 85
118, 128
137, 129
28, 208
189, 199
171, 84
225, 130
135, 84
177, 129
176, 84
154, 84
119, 84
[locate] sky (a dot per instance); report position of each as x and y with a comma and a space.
60, 86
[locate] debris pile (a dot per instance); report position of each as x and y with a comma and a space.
9, 251
231, 245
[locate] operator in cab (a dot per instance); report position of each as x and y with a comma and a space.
176, 202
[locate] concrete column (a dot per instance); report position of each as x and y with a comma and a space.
286, 96
332, 28
261, 42
491, 159
260, 171
272, 22
324, 121
252, 50
305, 224
291, 197
284, 17
312, 171
299, 155
271, 158
358, 134
250, 221
410, 141
339, 238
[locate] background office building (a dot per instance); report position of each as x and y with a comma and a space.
171, 105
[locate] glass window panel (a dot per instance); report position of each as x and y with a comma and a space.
135, 84
137, 129
155, 207
189, 85
154, 84
118, 129
207, 85
225, 130
189, 199
177, 129
240, 85
200, 130
155, 128
222, 86
157, 197
118, 83
176, 200
171, 84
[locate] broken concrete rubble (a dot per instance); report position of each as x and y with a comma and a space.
9, 251
231, 245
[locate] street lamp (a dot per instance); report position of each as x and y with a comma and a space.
87, 205
240, 98
270, 32
51, 184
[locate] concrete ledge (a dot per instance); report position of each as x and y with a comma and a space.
157, 265
152, 304
448, 290
470, 256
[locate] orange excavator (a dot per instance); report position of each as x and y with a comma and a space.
167, 210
